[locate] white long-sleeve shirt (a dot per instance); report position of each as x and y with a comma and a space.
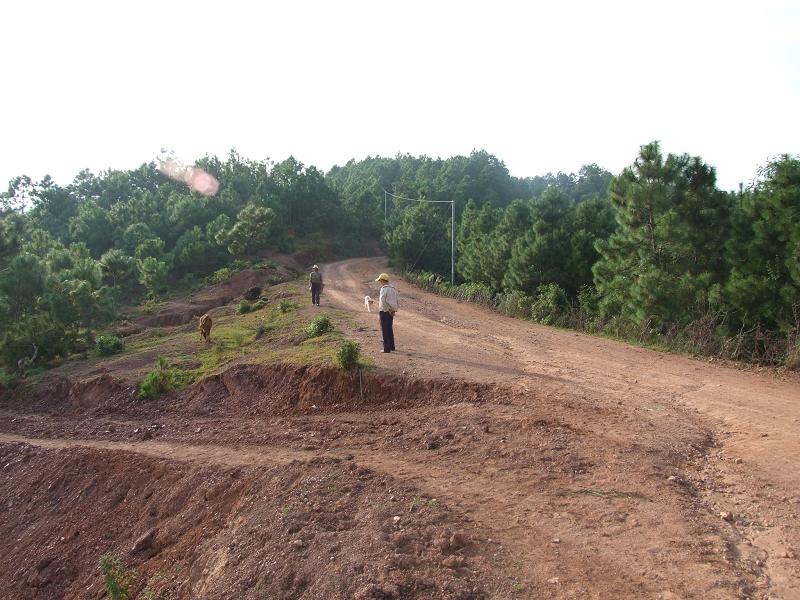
389, 300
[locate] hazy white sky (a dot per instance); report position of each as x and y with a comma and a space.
545, 86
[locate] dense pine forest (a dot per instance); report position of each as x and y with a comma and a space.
655, 254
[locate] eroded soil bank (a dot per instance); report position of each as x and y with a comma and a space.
322, 528
309, 482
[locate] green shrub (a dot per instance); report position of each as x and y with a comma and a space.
551, 306
259, 304
515, 304
151, 386
8, 380
348, 354
164, 379
244, 307
319, 326
286, 306
222, 275
118, 578
108, 345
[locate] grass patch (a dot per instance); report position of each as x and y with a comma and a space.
164, 379
118, 579
320, 325
108, 345
277, 334
260, 329
419, 502
286, 306
268, 336
152, 338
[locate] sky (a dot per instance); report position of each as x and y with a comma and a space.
544, 86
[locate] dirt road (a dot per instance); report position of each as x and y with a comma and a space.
588, 467
754, 416
758, 413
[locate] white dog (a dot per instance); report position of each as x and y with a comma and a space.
368, 302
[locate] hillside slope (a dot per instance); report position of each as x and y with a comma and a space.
487, 458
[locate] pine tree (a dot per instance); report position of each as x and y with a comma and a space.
659, 264
540, 255
764, 250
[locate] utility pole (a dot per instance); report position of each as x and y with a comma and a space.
452, 242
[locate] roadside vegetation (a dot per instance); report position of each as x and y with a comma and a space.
164, 378
656, 254
348, 355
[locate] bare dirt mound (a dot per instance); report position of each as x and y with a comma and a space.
582, 498
64, 396
180, 312
321, 529
249, 390
289, 390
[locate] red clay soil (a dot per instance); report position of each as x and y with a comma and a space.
575, 467
323, 528
246, 389
566, 502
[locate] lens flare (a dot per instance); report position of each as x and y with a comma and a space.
196, 178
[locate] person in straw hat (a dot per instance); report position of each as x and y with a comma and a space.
388, 305
315, 284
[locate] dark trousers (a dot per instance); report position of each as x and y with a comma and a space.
386, 330
315, 293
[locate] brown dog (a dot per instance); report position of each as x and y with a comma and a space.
205, 327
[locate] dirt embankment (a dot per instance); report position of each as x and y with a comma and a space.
322, 529
286, 390
250, 390
574, 494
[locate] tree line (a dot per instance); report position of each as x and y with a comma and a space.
71, 255
654, 252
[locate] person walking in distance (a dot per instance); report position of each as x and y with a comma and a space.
388, 305
315, 284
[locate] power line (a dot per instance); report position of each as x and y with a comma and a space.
452, 203
416, 199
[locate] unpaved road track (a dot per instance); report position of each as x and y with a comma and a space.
758, 413
755, 416
602, 475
